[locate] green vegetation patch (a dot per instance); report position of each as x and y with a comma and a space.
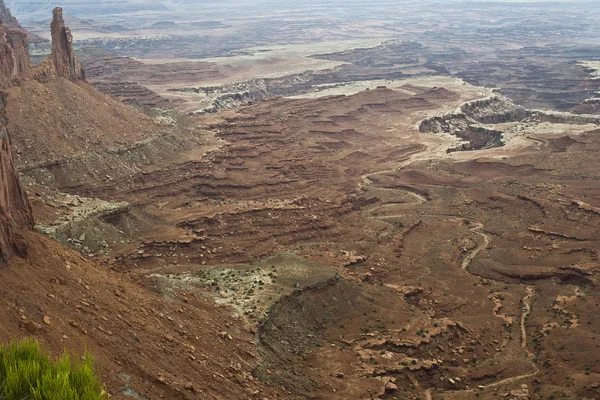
26, 372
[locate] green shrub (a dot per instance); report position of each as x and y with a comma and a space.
26, 372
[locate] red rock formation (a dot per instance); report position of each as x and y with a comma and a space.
14, 55
65, 62
11, 22
15, 212
14, 49
6, 17
14, 52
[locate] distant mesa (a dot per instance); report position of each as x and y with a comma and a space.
70, 20
165, 25
208, 24
113, 28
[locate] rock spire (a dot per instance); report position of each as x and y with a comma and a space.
63, 57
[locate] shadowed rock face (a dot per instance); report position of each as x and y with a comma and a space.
15, 212
65, 62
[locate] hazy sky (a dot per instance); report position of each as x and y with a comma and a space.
39, 9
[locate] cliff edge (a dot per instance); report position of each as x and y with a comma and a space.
15, 212
8, 20
15, 66
14, 56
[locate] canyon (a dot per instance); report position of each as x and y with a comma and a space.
324, 208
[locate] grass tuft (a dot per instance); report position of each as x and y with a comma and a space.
26, 372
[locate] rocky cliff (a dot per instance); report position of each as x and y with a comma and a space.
15, 213
7, 19
14, 54
14, 57
63, 57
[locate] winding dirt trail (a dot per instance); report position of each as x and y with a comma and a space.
526, 311
486, 241
526, 302
433, 153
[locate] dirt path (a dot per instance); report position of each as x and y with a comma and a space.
431, 152
428, 394
486, 241
526, 311
526, 302
477, 228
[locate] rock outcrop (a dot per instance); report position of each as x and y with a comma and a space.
15, 212
63, 57
6, 17
14, 49
14, 56
9, 21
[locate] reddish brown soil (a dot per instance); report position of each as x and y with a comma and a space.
177, 347
458, 275
59, 118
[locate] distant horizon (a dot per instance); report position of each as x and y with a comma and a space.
33, 10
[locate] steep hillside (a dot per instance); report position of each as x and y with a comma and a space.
51, 109
179, 348
61, 118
